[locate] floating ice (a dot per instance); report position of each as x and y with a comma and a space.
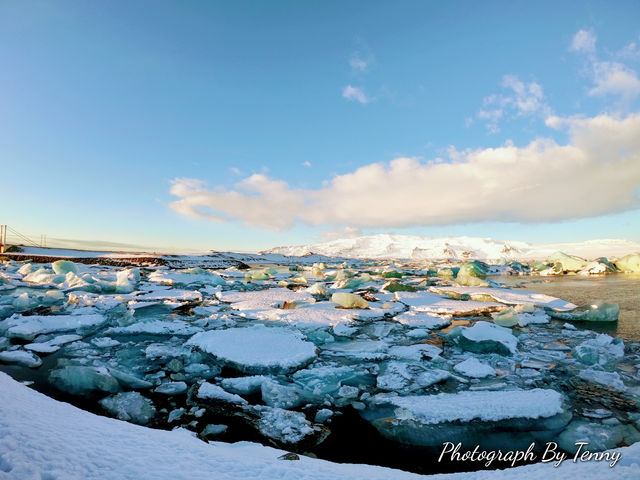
407, 377
283, 425
28, 327
485, 337
474, 368
257, 349
349, 300
594, 312
598, 436
244, 385
506, 318
187, 278
62, 267
80, 380
431, 302
566, 263
213, 430
629, 263
610, 379
599, 350
475, 416
130, 406
157, 327
20, 357
275, 394
172, 388
423, 320
52, 345
509, 297
208, 391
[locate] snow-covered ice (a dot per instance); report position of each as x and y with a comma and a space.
257, 349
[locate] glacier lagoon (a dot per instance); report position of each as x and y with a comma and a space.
623, 290
267, 356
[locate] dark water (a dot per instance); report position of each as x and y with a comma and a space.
622, 289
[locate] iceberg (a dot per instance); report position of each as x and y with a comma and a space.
594, 312
349, 300
629, 263
80, 380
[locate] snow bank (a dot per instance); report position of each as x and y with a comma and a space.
44, 438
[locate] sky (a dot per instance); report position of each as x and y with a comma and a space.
246, 125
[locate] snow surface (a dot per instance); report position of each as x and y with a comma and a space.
43, 438
419, 248
484, 331
28, 327
214, 392
483, 405
474, 368
256, 348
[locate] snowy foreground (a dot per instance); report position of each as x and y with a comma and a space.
300, 356
42, 438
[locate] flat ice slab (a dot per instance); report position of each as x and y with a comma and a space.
480, 405
514, 297
434, 303
257, 349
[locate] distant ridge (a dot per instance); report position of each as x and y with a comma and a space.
421, 248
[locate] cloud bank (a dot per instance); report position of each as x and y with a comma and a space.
596, 173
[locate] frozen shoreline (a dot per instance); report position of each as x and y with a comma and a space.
43, 438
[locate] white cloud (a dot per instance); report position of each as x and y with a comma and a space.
596, 173
609, 77
354, 93
306, 163
583, 41
358, 63
521, 99
612, 78
339, 234
629, 52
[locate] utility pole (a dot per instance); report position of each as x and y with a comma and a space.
3, 238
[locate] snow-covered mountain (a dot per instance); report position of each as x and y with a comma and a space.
421, 248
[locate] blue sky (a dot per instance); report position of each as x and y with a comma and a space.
284, 118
